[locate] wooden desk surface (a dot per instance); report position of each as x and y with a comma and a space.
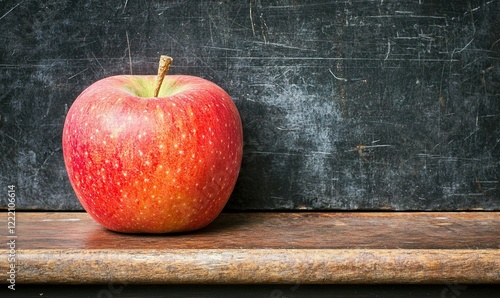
264, 248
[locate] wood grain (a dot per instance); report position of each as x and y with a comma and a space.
308, 230
263, 248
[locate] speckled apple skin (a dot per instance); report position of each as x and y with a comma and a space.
140, 164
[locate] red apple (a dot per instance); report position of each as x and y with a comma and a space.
145, 164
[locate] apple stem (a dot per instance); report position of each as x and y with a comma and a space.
163, 67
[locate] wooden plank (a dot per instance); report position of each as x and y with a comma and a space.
262, 248
308, 230
245, 266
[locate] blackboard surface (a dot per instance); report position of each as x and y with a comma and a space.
391, 105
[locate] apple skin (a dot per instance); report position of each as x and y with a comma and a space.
144, 164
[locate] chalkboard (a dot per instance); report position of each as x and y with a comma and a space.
346, 105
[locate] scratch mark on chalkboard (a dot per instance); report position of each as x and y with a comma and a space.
306, 154
284, 128
473, 35
480, 6
493, 45
78, 73
482, 77
486, 186
341, 59
347, 80
462, 49
337, 78
210, 24
498, 142
472, 20
321, 153
129, 54
406, 16
10, 137
221, 48
251, 19
456, 50
263, 27
446, 158
388, 50
10, 10
404, 12
284, 46
97, 60
125, 6
31, 156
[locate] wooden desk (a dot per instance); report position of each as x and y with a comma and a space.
264, 248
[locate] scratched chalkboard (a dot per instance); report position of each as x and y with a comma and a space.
346, 105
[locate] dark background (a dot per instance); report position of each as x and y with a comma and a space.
349, 105
448, 290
